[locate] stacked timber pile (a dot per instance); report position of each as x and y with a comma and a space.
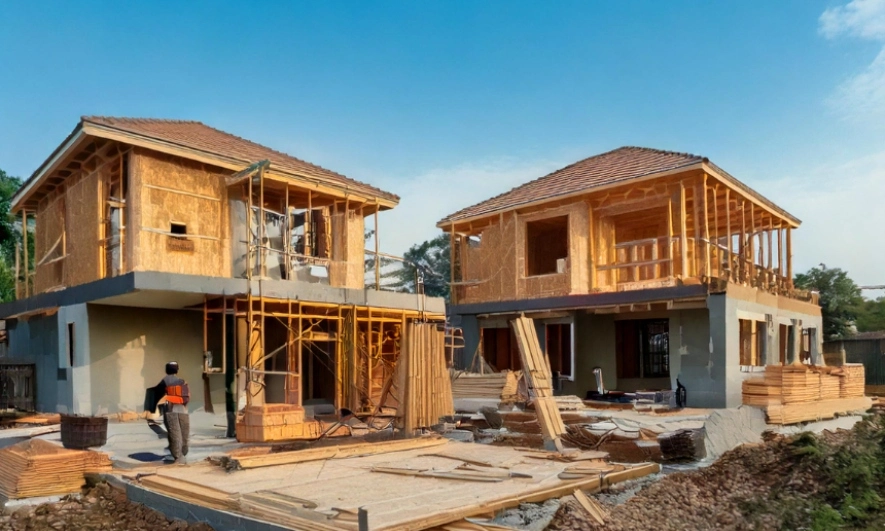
503, 386
423, 379
40, 468
800, 393
852, 382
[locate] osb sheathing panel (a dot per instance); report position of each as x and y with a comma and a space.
495, 270
176, 190
347, 268
83, 216
50, 220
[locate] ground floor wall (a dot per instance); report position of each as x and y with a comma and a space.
128, 352
91, 359
704, 343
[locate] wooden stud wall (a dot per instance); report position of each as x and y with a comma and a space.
703, 229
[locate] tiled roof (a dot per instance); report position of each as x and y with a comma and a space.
198, 136
619, 165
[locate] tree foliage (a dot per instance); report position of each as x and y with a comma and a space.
9, 236
428, 261
871, 317
840, 299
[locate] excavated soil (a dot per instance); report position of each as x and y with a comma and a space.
832, 481
99, 508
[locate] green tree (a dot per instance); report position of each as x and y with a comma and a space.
840, 299
428, 261
8, 234
871, 317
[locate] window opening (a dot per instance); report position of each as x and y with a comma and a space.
643, 348
559, 348
546, 246
70, 340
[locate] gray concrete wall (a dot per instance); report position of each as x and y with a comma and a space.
35, 342
595, 346
128, 351
735, 308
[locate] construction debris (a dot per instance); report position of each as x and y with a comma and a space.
40, 468
539, 380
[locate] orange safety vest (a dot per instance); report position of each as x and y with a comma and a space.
178, 394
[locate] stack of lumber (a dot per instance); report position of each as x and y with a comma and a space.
423, 379
798, 383
473, 385
830, 382
852, 381
40, 468
503, 386
540, 381
800, 393
684, 444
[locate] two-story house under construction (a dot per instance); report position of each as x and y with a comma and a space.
647, 265
159, 240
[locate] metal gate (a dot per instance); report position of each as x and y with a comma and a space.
17, 385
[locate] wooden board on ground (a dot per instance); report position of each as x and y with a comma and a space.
328, 494
245, 460
536, 368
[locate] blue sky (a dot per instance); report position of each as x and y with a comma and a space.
448, 103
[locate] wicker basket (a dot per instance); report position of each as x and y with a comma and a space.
83, 432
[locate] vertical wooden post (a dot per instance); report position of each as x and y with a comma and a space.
730, 243
752, 243
287, 238
670, 237
696, 217
742, 247
770, 264
18, 292
261, 223
706, 230
26, 268
249, 266
716, 233
683, 243
592, 248
789, 257
377, 247
451, 264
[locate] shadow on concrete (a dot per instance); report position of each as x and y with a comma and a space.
146, 457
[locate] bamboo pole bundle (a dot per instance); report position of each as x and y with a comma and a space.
423, 378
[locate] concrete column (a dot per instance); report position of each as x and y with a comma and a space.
795, 336
75, 394
768, 346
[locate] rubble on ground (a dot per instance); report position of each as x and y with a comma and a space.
98, 508
803, 481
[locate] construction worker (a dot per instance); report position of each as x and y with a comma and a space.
175, 415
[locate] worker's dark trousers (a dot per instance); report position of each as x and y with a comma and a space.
178, 426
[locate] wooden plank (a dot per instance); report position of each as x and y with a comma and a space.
683, 237
591, 506
536, 368
332, 452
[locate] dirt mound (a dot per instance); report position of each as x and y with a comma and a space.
99, 508
805, 481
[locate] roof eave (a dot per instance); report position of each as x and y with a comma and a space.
49, 165
743, 189
447, 222
229, 163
